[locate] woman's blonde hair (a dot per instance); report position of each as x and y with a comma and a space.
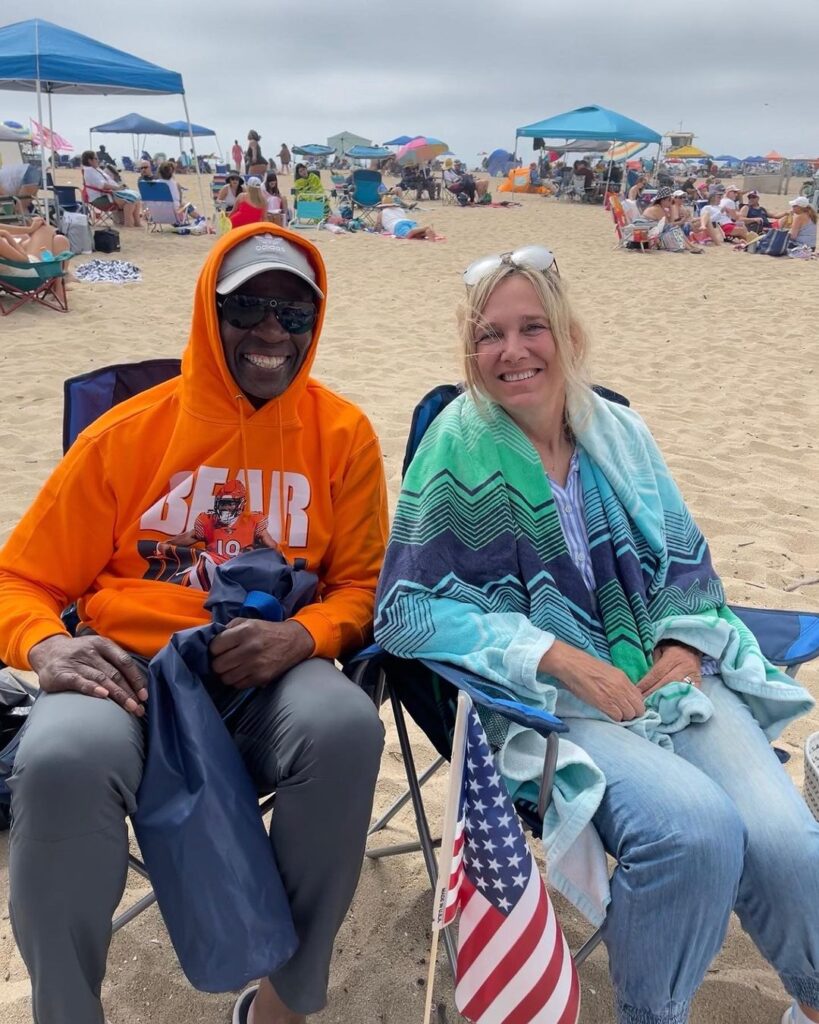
571, 339
256, 197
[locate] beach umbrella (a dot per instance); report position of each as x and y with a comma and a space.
400, 140
368, 152
624, 151
774, 157
313, 149
421, 150
727, 159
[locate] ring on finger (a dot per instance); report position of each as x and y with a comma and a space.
689, 680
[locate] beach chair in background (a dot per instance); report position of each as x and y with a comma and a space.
128, 164
428, 692
308, 211
9, 214
101, 210
158, 203
41, 284
365, 195
630, 236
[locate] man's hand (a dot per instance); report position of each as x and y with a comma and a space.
91, 665
672, 663
593, 681
251, 652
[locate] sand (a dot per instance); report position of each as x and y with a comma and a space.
718, 353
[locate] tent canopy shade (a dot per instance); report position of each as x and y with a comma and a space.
313, 149
580, 146
135, 124
590, 123
13, 134
68, 62
342, 141
181, 128
400, 140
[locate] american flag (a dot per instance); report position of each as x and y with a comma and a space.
514, 965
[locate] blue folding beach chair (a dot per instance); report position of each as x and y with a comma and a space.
365, 194
787, 639
160, 207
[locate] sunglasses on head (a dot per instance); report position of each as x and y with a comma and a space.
247, 311
533, 257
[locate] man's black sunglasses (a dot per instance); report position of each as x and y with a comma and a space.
246, 311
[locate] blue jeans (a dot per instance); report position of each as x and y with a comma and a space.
715, 826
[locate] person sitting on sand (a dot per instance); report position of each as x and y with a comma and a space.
715, 223
588, 591
250, 206
276, 203
19, 242
756, 217
803, 226
307, 185
100, 186
20, 182
662, 208
730, 207
681, 213
231, 190
393, 220
245, 409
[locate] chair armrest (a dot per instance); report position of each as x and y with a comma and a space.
786, 638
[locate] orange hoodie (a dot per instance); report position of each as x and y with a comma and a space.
148, 471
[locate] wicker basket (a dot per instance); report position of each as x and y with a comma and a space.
811, 786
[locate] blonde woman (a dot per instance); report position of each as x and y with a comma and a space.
250, 206
803, 225
540, 542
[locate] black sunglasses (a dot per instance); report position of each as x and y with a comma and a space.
246, 311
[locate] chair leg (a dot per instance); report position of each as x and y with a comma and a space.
588, 947
391, 812
135, 864
425, 840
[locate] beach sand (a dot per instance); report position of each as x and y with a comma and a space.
716, 351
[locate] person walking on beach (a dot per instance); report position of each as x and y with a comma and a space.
237, 155
247, 411
285, 159
255, 163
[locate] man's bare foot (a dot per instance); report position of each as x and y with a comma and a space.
267, 1008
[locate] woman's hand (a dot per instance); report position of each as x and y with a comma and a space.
673, 663
593, 681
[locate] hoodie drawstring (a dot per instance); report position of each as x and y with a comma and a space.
246, 470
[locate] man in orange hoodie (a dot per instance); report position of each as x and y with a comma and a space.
244, 449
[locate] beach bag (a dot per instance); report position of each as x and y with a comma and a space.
106, 240
673, 240
197, 822
16, 701
774, 243
74, 225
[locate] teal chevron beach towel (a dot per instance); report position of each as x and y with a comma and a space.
478, 574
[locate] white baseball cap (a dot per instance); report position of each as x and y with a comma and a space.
254, 182
800, 201
677, 193
259, 253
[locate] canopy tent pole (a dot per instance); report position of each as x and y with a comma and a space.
608, 174
51, 133
195, 156
40, 109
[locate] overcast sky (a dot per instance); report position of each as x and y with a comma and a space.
744, 81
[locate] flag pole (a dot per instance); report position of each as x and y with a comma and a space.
450, 825
433, 962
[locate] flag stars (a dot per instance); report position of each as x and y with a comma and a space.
493, 865
489, 845
514, 860
484, 825
474, 785
499, 800
519, 881
499, 884
504, 903
508, 840
479, 806
504, 820
494, 780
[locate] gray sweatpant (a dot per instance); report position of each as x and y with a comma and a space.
313, 737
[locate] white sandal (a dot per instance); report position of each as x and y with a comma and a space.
241, 1007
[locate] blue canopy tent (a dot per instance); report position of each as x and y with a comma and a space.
39, 56
726, 159
199, 130
591, 122
400, 140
